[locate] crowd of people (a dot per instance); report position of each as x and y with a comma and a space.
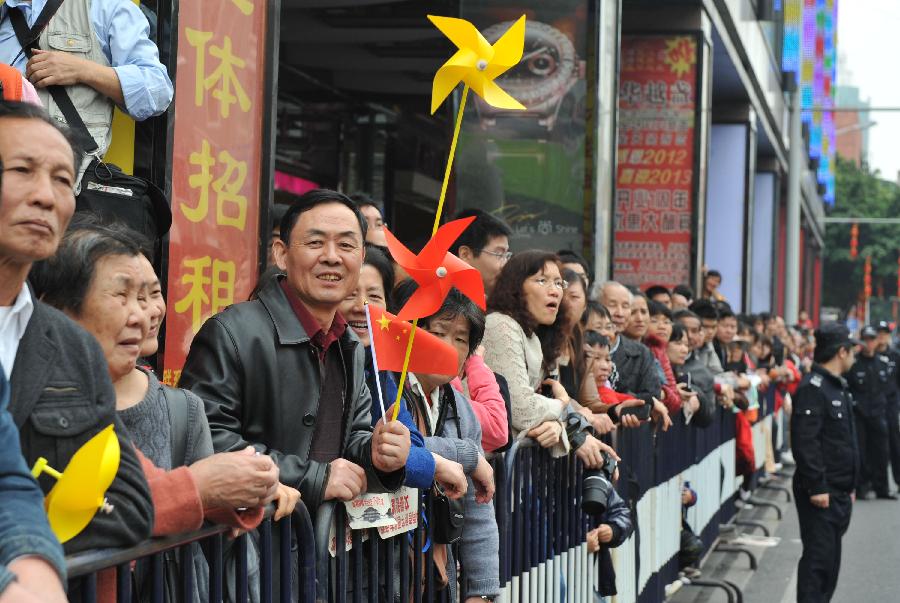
276, 400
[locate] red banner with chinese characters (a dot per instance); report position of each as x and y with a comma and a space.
219, 104
655, 180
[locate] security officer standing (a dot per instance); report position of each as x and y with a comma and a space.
870, 383
892, 414
823, 437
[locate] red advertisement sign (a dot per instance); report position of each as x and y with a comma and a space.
216, 159
655, 180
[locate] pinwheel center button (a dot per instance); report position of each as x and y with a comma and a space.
481, 65
441, 272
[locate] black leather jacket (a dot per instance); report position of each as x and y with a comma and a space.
258, 374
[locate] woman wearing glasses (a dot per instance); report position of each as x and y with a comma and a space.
524, 336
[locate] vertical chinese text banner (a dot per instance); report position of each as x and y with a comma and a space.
655, 179
216, 157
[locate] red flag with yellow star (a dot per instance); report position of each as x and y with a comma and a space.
390, 336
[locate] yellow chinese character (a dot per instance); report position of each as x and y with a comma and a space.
245, 6
228, 187
228, 89
201, 180
221, 283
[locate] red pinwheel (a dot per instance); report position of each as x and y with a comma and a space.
436, 270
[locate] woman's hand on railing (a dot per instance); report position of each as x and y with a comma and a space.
451, 477
483, 478
546, 434
285, 500
559, 392
660, 415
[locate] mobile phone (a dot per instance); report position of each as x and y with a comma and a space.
642, 412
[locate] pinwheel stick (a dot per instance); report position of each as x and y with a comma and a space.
437, 223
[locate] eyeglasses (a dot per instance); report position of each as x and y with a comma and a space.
556, 284
502, 255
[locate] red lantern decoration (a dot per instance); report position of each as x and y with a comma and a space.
867, 280
854, 241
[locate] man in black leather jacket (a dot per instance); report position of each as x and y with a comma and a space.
285, 374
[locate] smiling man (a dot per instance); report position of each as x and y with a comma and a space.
284, 373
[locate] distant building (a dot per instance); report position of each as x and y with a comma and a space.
852, 128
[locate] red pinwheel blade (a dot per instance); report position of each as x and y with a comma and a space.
436, 249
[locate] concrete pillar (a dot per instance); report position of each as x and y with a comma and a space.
796, 168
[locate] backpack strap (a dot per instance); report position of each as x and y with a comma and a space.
178, 424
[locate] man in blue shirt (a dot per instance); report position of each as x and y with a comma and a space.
99, 50
31, 558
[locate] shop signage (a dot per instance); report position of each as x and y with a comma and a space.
216, 158
654, 201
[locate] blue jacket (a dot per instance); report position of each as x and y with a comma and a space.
420, 463
23, 525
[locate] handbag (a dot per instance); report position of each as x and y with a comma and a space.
105, 189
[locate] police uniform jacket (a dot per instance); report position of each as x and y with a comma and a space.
892, 358
869, 382
823, 434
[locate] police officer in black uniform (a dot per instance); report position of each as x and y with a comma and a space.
823, 438
892, 414
870, 384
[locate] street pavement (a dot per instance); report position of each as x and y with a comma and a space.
870, 570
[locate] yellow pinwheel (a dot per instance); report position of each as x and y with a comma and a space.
80, 490
476, 62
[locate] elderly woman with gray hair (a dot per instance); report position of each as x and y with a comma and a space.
101, 279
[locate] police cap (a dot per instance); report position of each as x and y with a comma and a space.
833, 335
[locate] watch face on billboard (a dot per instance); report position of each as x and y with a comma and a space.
528, 167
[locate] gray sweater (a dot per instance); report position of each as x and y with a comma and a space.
480, 546
148, 424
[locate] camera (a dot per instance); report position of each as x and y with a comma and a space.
598, 486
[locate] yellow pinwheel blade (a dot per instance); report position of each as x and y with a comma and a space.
477, 63
507, 49
496, 96
79, 493
462, 33
449, 75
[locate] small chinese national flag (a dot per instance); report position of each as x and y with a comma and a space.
390, 336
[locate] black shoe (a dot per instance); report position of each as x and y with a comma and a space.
886, 496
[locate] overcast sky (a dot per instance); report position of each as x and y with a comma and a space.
869, 57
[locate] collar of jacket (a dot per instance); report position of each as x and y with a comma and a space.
835, 379
652, 341
287, 325
629, 347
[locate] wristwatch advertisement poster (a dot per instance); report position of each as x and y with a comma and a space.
528, 167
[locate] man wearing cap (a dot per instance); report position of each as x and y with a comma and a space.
823, 437
870, 382
892, 409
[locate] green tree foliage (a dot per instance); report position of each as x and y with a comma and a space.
863, 194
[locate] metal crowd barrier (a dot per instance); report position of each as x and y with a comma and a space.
542, 552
